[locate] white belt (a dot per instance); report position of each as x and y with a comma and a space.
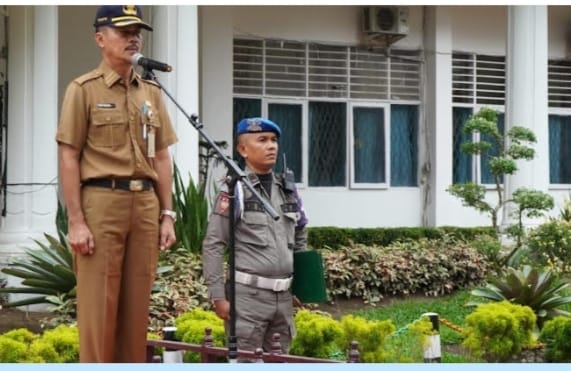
275, 284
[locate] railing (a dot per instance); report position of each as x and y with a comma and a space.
211, 354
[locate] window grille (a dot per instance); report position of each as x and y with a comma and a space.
295, 69
559, 82
327, 71
248, 66
478, 79
369, 74
285, 69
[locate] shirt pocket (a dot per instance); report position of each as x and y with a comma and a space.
289, 221
254, 229
108, 129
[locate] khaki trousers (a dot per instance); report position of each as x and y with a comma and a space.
259, 314
114, 283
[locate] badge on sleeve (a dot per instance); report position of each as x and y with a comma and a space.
222, 204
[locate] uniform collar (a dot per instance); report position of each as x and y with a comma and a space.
111, 77
253, 178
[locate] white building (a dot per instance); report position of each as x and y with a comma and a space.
372, 132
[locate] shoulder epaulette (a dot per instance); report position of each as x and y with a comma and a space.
88, 76
152, 82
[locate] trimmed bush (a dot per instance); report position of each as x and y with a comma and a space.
556, 334
190, 329
334, 237
496, 331
318, 335
433, 267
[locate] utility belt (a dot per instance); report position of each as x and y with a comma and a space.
274, 284
133, 185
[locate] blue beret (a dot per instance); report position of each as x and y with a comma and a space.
257, 125
120, 16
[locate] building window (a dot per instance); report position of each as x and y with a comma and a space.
477, 81
369, 146
468, 168
349, 114
404, 145
559, 149
290, 119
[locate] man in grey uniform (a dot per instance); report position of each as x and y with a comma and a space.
263, 247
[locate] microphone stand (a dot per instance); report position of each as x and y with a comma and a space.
234, 175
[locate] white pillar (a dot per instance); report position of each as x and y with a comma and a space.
175, 40
436, 173
526, 88
32, 158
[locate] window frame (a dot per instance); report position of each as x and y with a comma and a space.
304, 131
476, 175
560, 111
386, 106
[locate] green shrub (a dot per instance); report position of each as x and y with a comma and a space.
22, 335
65, 341
549, 245
318, 335
43, 352
190, 328
59, 345
371, 335
334, 237
491, 248
178, 289
556, 334
433, 267
46, 271
12, 351
191, 208
496, 331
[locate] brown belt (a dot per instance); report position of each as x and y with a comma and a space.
133, 185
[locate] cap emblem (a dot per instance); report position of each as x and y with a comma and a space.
130, 10
254, 125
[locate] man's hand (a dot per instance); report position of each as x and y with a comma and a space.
80, 238
167, 236
296, 302
222, 309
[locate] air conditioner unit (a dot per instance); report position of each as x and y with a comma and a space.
392, 20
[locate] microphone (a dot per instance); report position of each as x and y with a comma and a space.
148, 63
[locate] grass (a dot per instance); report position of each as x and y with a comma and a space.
404, 312
452, 308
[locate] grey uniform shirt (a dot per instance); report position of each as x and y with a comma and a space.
263, 246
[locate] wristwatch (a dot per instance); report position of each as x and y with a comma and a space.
169, 213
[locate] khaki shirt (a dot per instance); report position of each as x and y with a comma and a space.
263, 246
103, 118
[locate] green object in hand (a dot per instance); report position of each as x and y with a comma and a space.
308, 277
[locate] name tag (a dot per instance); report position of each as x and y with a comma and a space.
105, 105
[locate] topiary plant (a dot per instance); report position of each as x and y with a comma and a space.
496, 331
371, 335
318, 335
190, 328
500, 151
556, 334
64, 340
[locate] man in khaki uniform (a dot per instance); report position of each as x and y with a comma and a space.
264, 247
116, 177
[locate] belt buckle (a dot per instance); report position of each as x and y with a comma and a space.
136, 185
280, 284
